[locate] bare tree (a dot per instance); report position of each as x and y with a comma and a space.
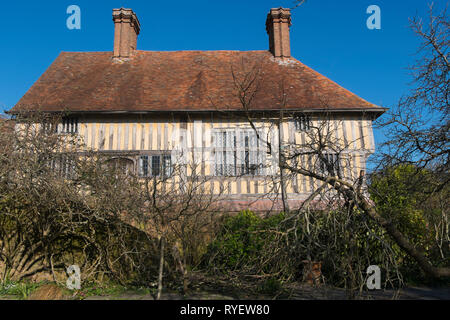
411, 137
418, 127
176, 204
58, 207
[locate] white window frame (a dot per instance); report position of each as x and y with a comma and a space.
238, 152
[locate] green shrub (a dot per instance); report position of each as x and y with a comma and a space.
241, 240
405, 196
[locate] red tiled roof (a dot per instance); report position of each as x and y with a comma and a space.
180, 81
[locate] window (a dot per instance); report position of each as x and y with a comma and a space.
249, 153
123, 165
143, 166
69, 125
167, 165
302, 123
64, 166
155, 165
237, 152
49, 127
333, 160
225, 153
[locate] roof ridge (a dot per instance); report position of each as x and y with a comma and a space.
170, 51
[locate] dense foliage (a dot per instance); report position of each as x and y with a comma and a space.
407, 196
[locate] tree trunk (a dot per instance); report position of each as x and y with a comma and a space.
280, 162
404, 243
161, 268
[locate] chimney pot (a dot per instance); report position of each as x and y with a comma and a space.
277, 26
126, 31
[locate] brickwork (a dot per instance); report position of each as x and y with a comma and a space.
126, 31
277, 26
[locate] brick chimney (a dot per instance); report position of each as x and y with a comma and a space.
126, 31
277, 25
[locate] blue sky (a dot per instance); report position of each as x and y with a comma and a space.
329, 36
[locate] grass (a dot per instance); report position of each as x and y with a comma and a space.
20, 290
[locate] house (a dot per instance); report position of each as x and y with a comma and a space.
142, 106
